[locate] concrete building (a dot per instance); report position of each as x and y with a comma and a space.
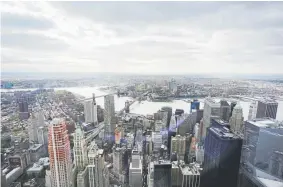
109, 117
169, 114
222, 152
237, 120
190, 175
90, 112
157, 141
36, 151
59, 154
97, 171
82, 178
135, 170
211, 111
42, 135
263, 109
261, 158
32, 129
178, 145
119, 158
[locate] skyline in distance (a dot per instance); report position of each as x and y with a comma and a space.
143, 37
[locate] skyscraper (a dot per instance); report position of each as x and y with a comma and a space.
32, 129
109, 117
23, 108
59, 154
135, 170
263, 109
178, 145
97, 170
169, 114
233, 104
224, 110
211, 111
222, 152
261, 160
162, 174
80, 149
90, 112
237, 120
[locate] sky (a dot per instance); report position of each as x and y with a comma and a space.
142, 37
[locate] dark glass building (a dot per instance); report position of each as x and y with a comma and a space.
262, 154
266, 108
221, 158
162, 174
224, 110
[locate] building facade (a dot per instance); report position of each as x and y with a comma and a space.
222, 152
59, 154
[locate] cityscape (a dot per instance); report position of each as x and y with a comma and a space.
175, 109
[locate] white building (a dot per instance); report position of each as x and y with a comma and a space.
190, 175
135, 170
82, 178
236, 120
98, 174
90, 112
80, 149
157, 141
211, 111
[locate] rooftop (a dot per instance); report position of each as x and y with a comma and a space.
224, 133
35, 147
265, 123
192, 169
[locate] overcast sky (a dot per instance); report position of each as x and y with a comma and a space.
142, 37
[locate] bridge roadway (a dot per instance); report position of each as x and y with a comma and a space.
95, 132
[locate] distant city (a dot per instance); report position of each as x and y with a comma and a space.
141, 131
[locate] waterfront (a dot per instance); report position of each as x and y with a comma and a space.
147, 107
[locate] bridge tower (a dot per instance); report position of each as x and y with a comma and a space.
93, 99
127, 107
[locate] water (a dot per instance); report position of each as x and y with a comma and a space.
147, 107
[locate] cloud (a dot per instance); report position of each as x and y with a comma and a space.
142, 37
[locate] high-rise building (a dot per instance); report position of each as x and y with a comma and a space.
135, 170
263, 109
169, 114
178, 145
195, 105
211, 111
237, 120
224, 110
190, 175
222, 152
119, 155
157, 141
109, 117
261, 159
80, 149
42, 135
82, 178
232, 105
162, 174
98, 173
32, 129
23, 108
90, 112
59, 154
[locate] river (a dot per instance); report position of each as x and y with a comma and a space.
147, 107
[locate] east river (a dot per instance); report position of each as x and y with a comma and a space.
147, 107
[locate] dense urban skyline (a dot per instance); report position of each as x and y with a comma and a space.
137, 37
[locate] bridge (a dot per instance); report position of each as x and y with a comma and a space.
94, 133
